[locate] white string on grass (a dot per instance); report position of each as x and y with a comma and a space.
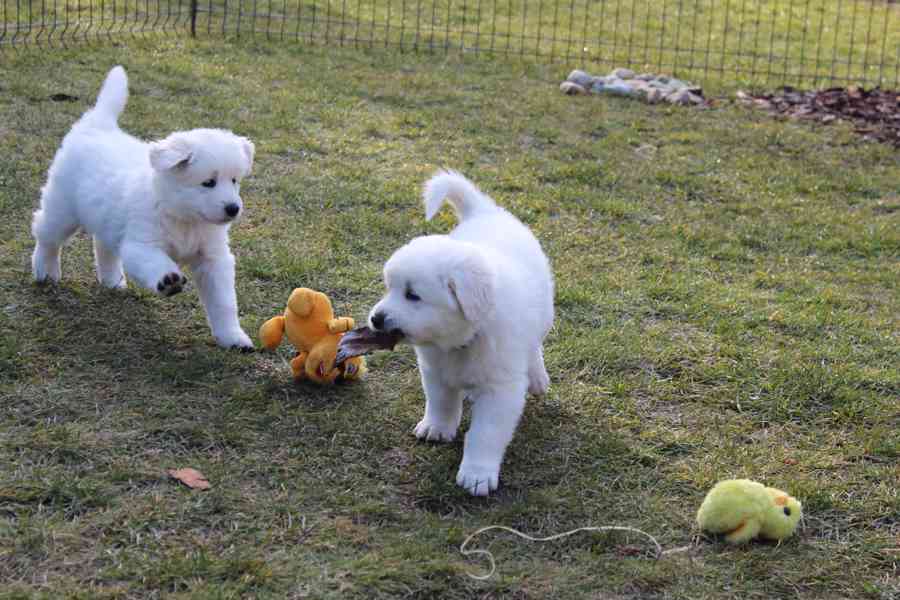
549, 538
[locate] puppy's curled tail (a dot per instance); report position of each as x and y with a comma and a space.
466, 199
110, 101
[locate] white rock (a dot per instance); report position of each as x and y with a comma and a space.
623, 73
665, 87
684, 97
581, 78
639, 88
654, 95
571, 89
616, 88
679, 97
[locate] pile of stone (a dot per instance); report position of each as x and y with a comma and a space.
648, 87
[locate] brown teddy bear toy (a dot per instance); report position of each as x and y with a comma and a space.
312, 328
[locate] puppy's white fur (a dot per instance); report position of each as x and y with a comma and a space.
476, 305
147, 207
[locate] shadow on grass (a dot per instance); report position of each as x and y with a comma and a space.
125, 333
550, 456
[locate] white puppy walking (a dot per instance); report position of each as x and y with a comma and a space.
149, 207
476, 305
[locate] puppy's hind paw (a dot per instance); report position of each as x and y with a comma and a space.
478, 480
171, 284
538, 383
434, 432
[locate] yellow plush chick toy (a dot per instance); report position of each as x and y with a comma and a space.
742, 509
312, 328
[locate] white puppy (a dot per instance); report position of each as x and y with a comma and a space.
149, 207
476, 305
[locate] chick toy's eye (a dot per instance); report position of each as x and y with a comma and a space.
787, 511
412, 297
209, 183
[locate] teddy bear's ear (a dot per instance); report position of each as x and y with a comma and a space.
171, 153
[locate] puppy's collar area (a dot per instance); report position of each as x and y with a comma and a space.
176, 219
469, 342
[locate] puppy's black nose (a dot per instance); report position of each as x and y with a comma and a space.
378, 320
232, 210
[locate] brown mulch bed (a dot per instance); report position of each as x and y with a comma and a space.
874, 114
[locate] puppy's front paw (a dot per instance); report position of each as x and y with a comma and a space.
237, 340
171, 284
434, 432
45, 265
478, 480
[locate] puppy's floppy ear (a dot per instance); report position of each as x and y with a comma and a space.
170, 153
472, 284
249, 151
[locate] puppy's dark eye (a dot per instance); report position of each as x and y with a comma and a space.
787, 511
209, 183
412, 297
234, 181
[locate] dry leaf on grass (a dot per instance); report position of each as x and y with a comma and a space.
190, 477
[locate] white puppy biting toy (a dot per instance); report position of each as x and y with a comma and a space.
150, 207
476, 305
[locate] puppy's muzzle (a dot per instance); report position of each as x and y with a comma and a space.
379, 321
232, 210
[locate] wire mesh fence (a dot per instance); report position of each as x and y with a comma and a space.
799, 42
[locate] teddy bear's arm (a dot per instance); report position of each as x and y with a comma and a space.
271, 332
341, 325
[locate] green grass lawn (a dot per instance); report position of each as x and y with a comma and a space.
727, 306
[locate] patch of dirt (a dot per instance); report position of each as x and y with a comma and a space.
875, 113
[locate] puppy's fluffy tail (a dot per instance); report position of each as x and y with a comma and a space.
466, 199
110, 101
